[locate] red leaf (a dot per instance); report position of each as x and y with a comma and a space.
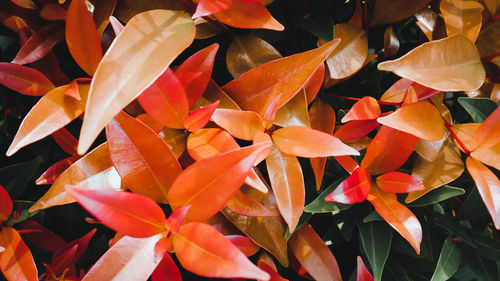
131, 214
5, 205
81, 244
65, 140
166, 101
16, 262
356, 129
54, 171
247, 206
63, 260
203, 250
42, 237
397, 215
362, 273
366, 108
314, 255
245, 244
176, 219
397, 182
200, 117
166, 270
23, 79
82, 38
201, 62
267, 264
39, 44
208, 7
214, 180
488, 186
352, 190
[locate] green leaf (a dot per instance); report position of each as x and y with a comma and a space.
486, 247
437, 195
376, 238
24, 214
473, 206
320, 24
373, 216
448, 263
451, 225
485, 270
319, 205
478, 108
15, 178
397, 271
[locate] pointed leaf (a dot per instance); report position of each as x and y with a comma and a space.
94, 170
284, 76
488, 186
203, 250
81, 243
292, 113
16, 261
314, 255
125, 71
356, 129
243, 14
166, 270
42, 237
397, 215
5, 205
287, 183
129, 259
376, 239
208, 7
240, 124
200, 117
54, 171
23, 79
39, 44
143, 170
462, 17
214, 180
82, 38
56, 109
388, 151
488, 133
397, 182
166, 101
65, 140
306, 142
362, 273
128, 213
247, 206
448, 263
201, 62
365, 109
478, 108
437, 195
428, 126
453, 64
391, 42
352, 190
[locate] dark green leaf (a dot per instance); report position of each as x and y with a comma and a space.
486, 246
373, 216
376, 238
437, 195
478, 108
15, 178
452, 226
448, 263
320, 24
484, 269
473, 206
319, 205
24, 214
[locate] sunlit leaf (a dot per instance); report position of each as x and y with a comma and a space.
437, 195
388, 151
362, 274
352, 190
244, 14
350, 54
124, 71
145, 163
200, 117
366, 108
488, 186
397, 182
208, 7
94, 170
488, 133
462, 17
39, 44
16, 261
203, 250
214, 180
23, 79
294, 112
285, 77
452, 64
387, 11
82, 38
56, 109
128, 213
240, 124
247, 206
313, 254
5, 204
397, 215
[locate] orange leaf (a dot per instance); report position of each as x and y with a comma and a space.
39, 44
72, 90
315, 83
255, 89
366, 108
16, 262
128, 213
23, 79
204, 251
214, 180
362, 273
352, 190
429, 125
388, 150
292, 113
247, 206
488, 186
397, 215
488, 134
240, 124
166, 101
463, 17
314, 255
397, 182
125, 71
243, 14
452, 64
82, 38
5, 204
349, 164
51, 11
322, 119
55, 109
208, 7
201, 62
287, 183
245, 244
145, 163
306, 142
200, 117
94, 170
356, 129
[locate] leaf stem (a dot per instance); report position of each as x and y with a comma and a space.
457, 139
356, 99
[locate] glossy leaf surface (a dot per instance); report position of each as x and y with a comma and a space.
124, 71
362, 274
244, 14
208, 7
166, 270
352, 190
488, 133
366, 108
25, 80
376, 239
16, 261
240, 124
247, 206
397, 182
39, 44
462, 17
448, 263
200, 117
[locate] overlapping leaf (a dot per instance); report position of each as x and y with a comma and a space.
25, 80
16, 261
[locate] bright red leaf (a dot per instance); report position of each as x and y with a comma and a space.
5, 204
352, 190
362, 273
200, 117
23, 79
397, 182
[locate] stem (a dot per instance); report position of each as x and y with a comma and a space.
488, 58
457, 139
357, 99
